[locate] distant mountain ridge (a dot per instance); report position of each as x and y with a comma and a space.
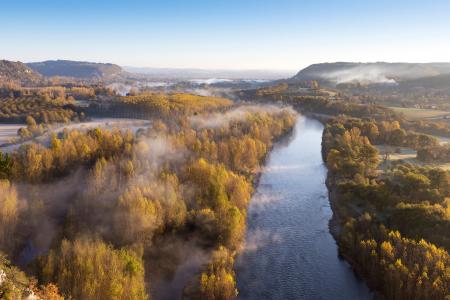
18, 73
76, 69
377, 72
38, 72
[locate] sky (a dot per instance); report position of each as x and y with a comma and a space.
226, 34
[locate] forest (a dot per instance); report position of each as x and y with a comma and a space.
82, 217
395, 222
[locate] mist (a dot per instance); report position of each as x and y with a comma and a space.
216, 120
210, 80
259, 238
372, 73
138, 194
361, 74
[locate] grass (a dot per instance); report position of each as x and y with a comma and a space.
420, 113
406, 155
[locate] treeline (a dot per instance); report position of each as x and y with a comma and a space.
386, 133
155, 105
272, 90
48, 104
75, 91
433, 127
435, 153
277, 92
101, 199
375, 209
37, 163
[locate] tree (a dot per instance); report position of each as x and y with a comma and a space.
89, 269
9, 215
31, 122
218, 283
397, 137
49, 292
5, 165
137, 217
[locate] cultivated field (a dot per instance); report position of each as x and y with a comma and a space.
421, 113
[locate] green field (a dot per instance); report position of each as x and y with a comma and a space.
420, 113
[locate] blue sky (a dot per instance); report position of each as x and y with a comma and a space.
227, 34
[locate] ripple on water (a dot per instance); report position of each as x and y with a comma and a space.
291, 254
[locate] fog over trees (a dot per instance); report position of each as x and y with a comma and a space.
85, 211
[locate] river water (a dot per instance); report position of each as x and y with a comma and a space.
289, 252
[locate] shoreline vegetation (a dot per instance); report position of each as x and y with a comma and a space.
361, 236
391, 223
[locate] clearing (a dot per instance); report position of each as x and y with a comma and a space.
420, 113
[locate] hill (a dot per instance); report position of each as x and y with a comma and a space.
440, 82
76, 69
370, 73
18, 73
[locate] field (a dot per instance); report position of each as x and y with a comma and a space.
420, 113
403, 153
8, 132
406, 155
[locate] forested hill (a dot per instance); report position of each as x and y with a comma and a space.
76, 69
18, 73
378, 72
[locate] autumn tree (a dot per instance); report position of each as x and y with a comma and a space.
9, 215
90, 269
218, 282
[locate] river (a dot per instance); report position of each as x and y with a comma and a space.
289, 252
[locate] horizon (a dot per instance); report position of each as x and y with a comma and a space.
230, 69
212, 35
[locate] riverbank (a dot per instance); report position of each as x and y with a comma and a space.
337, 220
383, 239
335, 227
